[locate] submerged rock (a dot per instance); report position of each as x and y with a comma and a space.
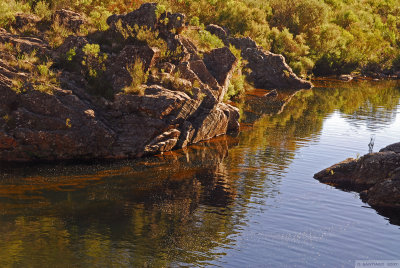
377, 175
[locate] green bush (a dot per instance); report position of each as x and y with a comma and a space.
8, 8
337, 35
204, 40
93, 60
42, 9
139, 77
237, 85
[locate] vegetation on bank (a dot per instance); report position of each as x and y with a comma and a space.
319, 37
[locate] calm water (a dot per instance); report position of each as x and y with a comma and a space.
245, 201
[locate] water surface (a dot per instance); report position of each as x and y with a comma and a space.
244, 201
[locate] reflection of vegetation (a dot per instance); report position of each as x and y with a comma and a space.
304, 113
177, 208
158, 208
299, 117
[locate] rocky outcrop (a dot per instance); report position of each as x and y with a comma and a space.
180, 104
101, 108
221, 63
375, 175
144, 16
24, 20
26, 44
267, 70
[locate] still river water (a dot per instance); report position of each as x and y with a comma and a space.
243, 201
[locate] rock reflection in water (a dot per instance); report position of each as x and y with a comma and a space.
190, 206
156, 211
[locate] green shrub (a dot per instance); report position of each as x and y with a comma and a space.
204, 40
237, 84
93, 60
43, 78
42, 9
98, 17
8, 8
57, 33
139, 77
194, 21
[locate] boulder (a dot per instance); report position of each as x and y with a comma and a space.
395, 147
221, 63
26, 44
268, 70
118, 72
218, 31
376, 174
145, 16
24, 20
385, 194
69, 19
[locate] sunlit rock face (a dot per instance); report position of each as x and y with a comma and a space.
179, 105
90, 113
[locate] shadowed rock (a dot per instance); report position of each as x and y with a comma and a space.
221, 63
118, 71
270, 70
376, 174
144, 16
218, 31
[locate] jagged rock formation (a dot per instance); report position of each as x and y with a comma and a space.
376, 175
180, 102
268, 70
